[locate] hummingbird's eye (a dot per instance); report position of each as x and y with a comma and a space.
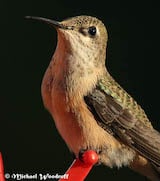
92, 30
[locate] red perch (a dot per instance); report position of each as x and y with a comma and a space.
1, 169
80, 169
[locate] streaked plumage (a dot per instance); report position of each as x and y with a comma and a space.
117, 110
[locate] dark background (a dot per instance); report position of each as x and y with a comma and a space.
29, 140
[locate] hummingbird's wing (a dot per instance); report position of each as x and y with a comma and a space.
118, 113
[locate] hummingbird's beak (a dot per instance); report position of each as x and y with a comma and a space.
53, 23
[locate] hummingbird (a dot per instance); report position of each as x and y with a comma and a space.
90, 109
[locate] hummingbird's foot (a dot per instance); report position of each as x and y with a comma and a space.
80, 155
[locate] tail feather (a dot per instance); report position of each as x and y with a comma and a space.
146, 168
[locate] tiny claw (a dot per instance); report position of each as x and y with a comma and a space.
80, 155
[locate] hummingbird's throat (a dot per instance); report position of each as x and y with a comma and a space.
77, 64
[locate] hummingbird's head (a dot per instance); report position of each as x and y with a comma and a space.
85, 36
79, 58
